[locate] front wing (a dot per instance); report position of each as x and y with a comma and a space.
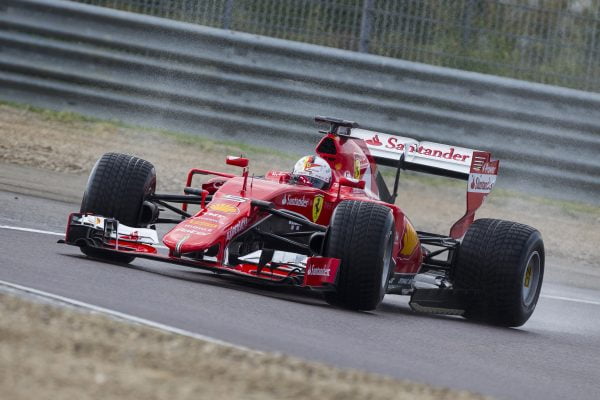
108, 235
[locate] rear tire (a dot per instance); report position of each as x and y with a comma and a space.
116, 188
503, 263
361, 235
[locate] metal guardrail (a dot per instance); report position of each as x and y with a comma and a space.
550, 41
238, 86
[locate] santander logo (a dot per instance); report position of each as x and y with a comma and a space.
481, 183
316, 271
295, 201
426, 149
374, 141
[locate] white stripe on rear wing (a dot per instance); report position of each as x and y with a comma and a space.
428, 157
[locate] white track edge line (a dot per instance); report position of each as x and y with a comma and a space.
596, 303
123, 316
18, 228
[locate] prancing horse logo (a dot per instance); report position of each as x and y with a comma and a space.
317, 207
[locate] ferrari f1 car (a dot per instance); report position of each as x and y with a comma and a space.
346, 239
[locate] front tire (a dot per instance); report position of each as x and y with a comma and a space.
502, 262
361, 235
116, 188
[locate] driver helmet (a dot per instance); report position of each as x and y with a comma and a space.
312, 171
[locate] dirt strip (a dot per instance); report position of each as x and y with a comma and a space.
47, 351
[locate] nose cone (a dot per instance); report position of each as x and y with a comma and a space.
217, 224
192, 235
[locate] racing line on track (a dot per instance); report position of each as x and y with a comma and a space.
18, 228
166, 327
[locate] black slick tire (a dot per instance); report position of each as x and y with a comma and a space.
361, 235
502, 263
116, 188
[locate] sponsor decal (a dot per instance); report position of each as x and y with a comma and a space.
211, 219
237, 228
374, 141
528, 274
321, 271
317, 206
356, 167
402, 279
489, 169
294, 226
481, 183
195, 230
211, 216
309, 162
316, 271
291, 200
223, 208
277, 174
410, 240
133, 236
203, 222
447, 153
234, 198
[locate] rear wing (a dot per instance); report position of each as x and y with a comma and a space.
428, 157
475, 167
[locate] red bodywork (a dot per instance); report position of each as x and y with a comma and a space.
230, 213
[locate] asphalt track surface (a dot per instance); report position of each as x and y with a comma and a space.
556, 355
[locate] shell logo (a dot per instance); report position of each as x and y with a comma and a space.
410, 240
223, 208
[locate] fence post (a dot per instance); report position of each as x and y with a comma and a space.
227, 12
366, 24
467, 22
591, 55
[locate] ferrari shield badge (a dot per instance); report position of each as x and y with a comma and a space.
317, 207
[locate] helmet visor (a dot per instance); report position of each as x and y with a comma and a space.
309, 181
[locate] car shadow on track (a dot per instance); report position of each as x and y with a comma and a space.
405, 310
290, 294
224, 281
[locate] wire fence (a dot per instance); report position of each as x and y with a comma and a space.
548, 41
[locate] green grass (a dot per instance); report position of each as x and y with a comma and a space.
52, 115
182, 138
571, 207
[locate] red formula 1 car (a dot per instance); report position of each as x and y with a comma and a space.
336, 230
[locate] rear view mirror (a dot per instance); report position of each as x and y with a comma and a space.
237, 161
352, 183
